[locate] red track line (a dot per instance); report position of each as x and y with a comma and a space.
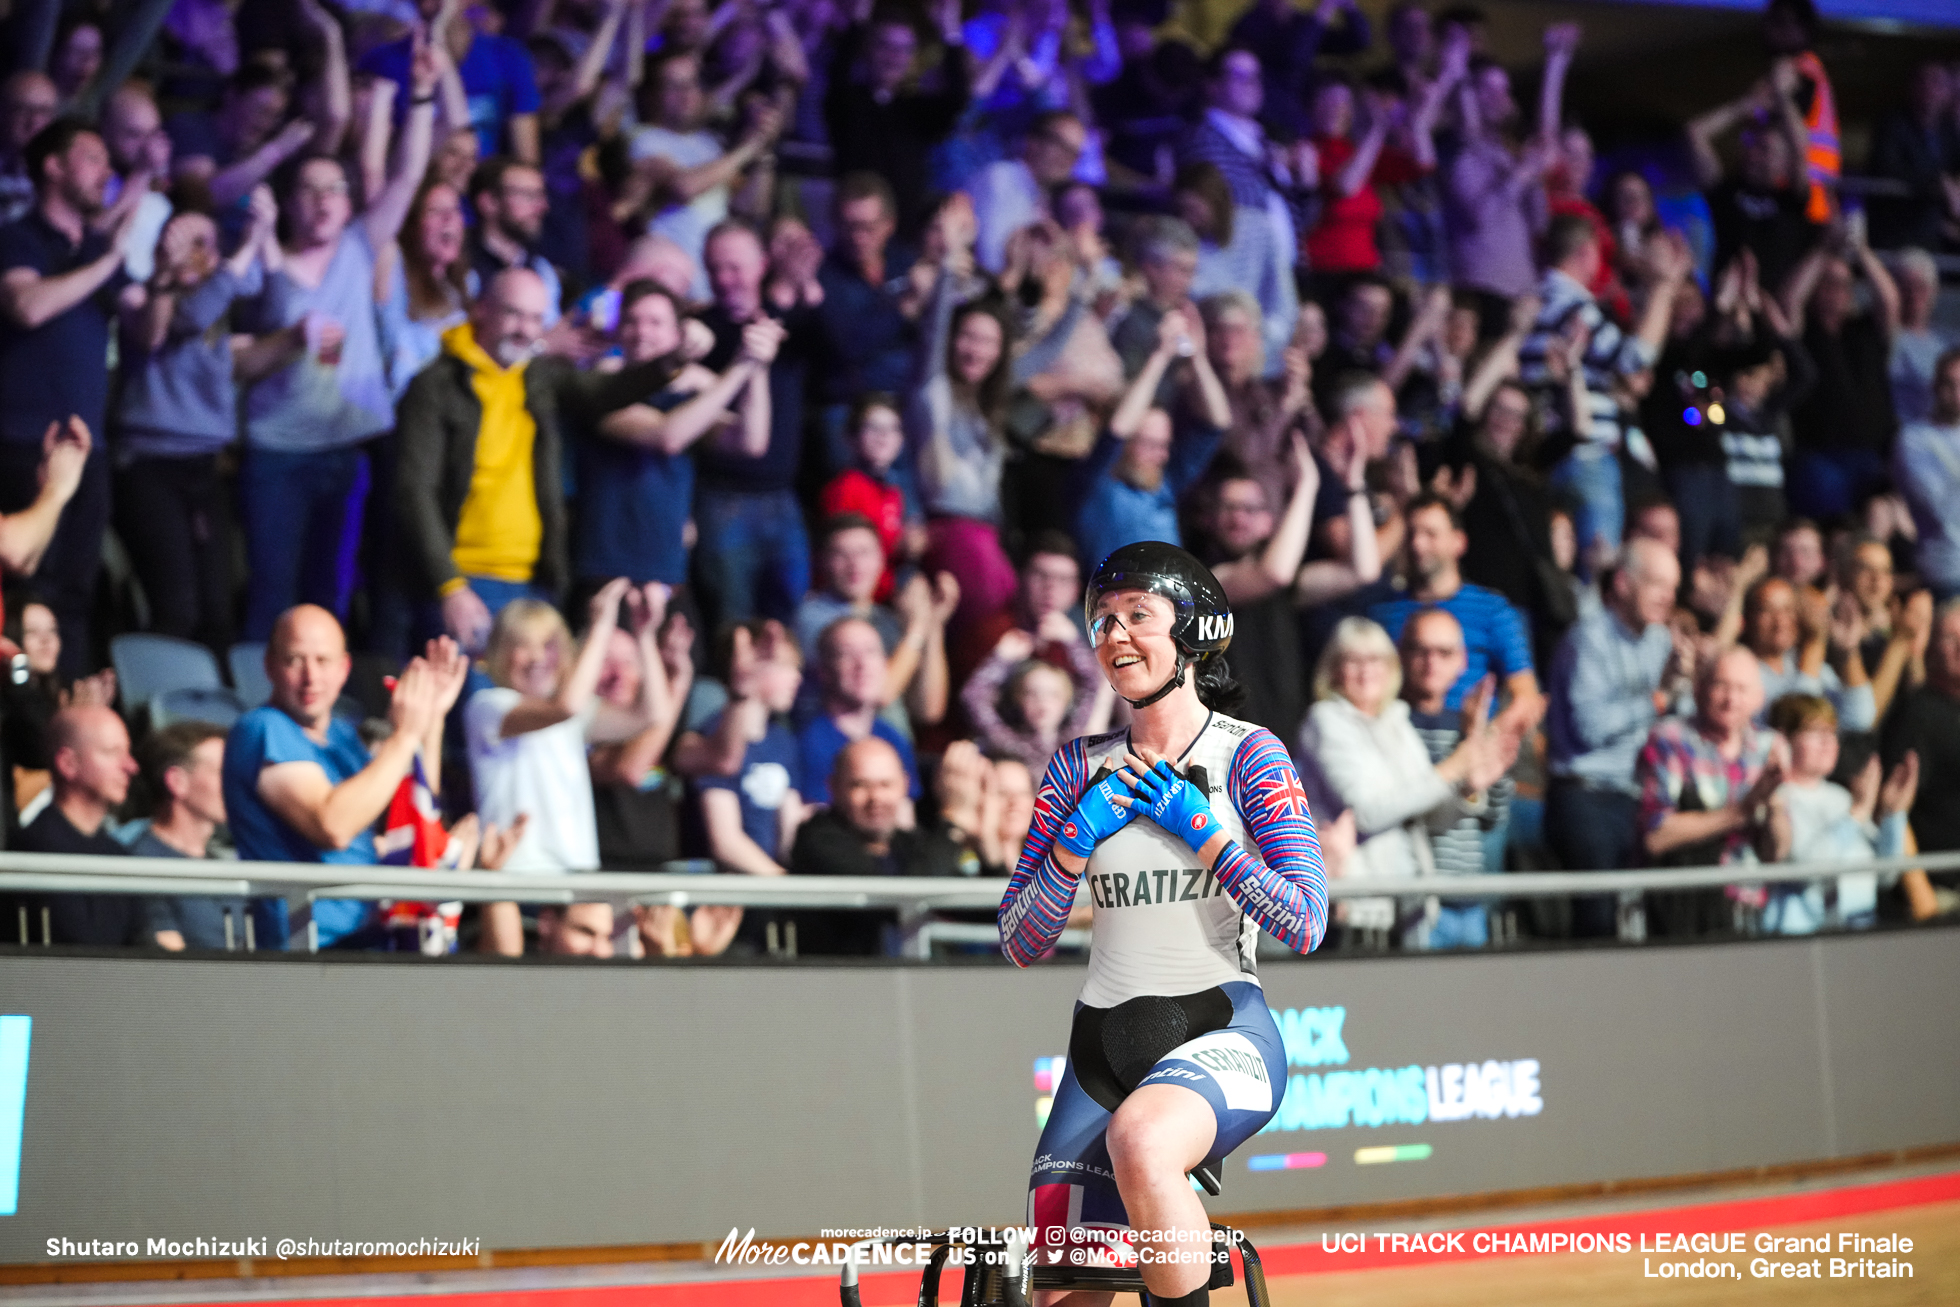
895, 1287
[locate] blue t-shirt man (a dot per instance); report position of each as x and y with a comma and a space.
769, 773
1494, 635
1115, 513
498, 78
266, 737
819, 743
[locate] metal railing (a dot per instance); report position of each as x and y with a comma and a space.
914, 899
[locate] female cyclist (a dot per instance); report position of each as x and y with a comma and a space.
1173, 1058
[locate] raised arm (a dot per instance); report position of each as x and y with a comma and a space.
25, 535
1703, 130
1175, 332
337, 96
382, 218
1561, 43
330, 816
1248, 580
583, 681
29, 299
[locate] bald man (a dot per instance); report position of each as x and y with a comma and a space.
1617, 671
477, 494
92, 767
299, 786
139, 150
859, 835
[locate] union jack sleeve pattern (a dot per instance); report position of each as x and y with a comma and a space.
1040, 893
1283, 887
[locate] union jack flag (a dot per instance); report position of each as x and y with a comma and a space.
1280, 795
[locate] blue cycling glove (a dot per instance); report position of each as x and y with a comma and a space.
1177, 805
1097, 816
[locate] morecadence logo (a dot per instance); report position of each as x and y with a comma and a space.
14, 1035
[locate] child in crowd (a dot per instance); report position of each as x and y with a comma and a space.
1814, 819
870, 489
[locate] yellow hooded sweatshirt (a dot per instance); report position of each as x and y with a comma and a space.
499, 531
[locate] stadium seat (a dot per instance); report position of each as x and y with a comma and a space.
214, 704
148, 665
246, 663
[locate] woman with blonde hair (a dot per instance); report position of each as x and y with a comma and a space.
529, 731
1360, 752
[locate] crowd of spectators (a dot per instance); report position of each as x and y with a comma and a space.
638, 430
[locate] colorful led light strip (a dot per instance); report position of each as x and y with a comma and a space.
1392, 1153
1285, 1161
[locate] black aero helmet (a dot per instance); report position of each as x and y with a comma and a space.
1203, 626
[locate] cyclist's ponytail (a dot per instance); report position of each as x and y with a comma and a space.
1218, 689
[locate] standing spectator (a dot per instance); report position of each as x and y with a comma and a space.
498, 78
1927, 723
1790, 33
232, 154
1791, 633
953, 424
1432, 659
57, 278
1918, 145
634, 468
1351, 168
1009, 194
1288, 40
184, 764
1256, 555
1493, 198
427, 276
871, 343
1271, 189
1616, 673
510, 202
306, 422
28, 102
139, 150
1145, 459
1844, 429
687, 176
1705, 784
178, 410
1493, 632
478, 497
1813, 819
852, 676
1895, 628
875, 433
1165, 251
1359, 753
752, 556
299, 786
529, 731
1266, 412
1569, 318
92, 766
887, 120
1765, 207
1918, 343
1926, 468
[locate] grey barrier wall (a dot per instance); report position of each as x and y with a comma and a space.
543, 1105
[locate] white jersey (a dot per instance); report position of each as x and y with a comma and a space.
1163, 925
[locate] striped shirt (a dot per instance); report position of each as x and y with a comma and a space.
1459, 850
1494, 634
1610, 354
